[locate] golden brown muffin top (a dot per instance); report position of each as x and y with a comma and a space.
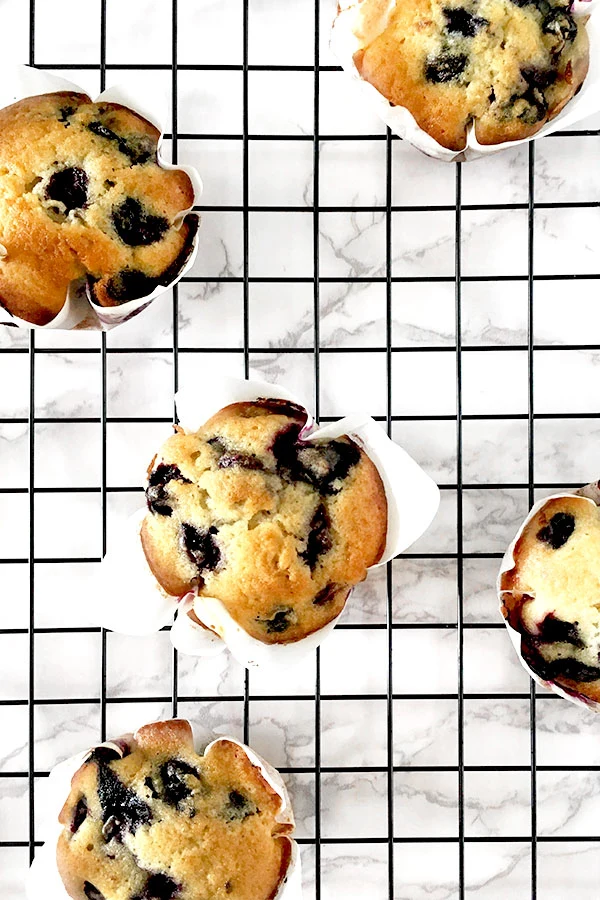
508, 66
164, 823
82, 196
553, 594
275, 526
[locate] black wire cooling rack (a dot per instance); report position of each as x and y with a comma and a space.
395, 846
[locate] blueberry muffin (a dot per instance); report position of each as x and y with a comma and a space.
551, 596
278, 528
508, 66
161, 822
82, 196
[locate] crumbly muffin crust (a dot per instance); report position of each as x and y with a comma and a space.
277, 528
508, 66
552, 594
163, 823
82, 196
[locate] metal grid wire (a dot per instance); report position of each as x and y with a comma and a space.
393, 840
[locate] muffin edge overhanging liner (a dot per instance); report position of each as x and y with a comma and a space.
18, 83
412, 497
345, 43
43, 878
590, 492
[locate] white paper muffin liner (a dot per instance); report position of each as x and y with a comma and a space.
591, 492
43, 879
128, 599
80, 311
345, 43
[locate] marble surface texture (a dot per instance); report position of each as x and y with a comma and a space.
494, 470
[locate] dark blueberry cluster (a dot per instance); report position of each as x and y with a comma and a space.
201, 546
175, 789
558, 22
558, 530
151, 787
65, 113
123, 811
326, 595
138, 151
103, 754
239, 807
326, 465
552, 12
538, 78
69, 187
230, 458
79, 816
92, 892
136, 226
554, 630
562, 667
131, 284
460, 21
446, 67
157, 496
285, 450
279, 621
537, 81
323, 466
319, 539
561, 25
159, 887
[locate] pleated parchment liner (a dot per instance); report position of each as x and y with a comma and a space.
79, 311
44, 881
345, 43
591, 492
127, 598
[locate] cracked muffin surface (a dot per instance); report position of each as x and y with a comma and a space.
508, 66
277, 527
154, 820
82, 196
552, 594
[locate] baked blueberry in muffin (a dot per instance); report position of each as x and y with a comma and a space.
153, 820
551, 595
82, 196
506, 66
277, 527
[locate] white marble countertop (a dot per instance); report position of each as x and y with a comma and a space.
140, 371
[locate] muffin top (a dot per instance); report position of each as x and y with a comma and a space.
162, 822
82, 196
276, 527
508, 66
553, 594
